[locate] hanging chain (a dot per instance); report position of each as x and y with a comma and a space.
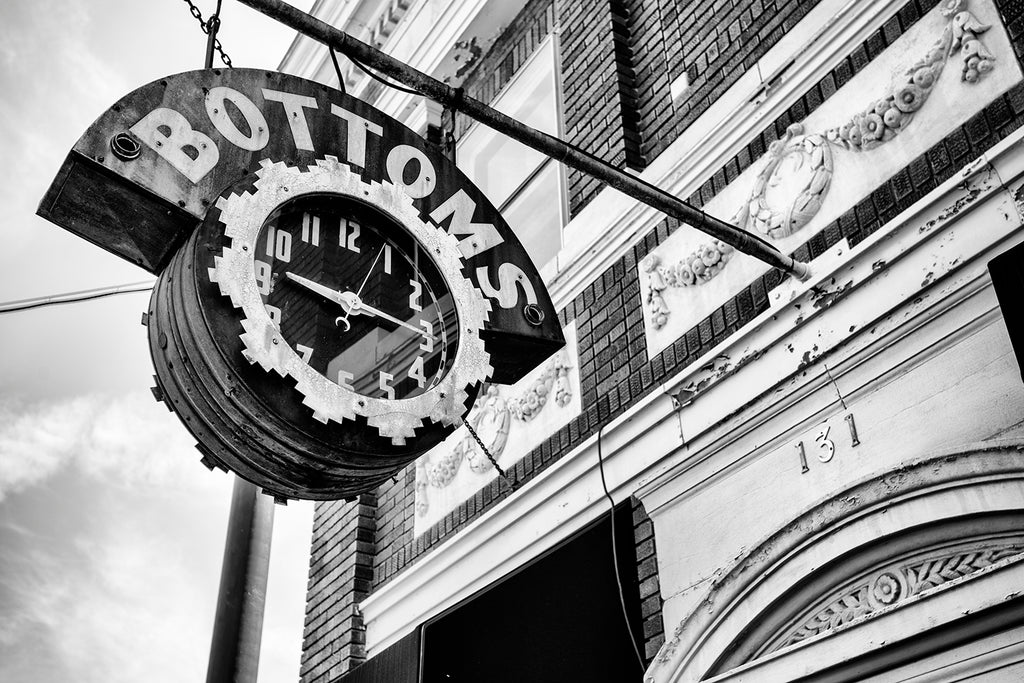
206, 29
490, 457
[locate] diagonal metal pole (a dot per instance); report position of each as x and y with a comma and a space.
557, 149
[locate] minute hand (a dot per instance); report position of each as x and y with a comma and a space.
360, 306
326, 292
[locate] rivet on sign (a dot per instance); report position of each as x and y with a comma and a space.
181, 202
216, 111
276, 340
441, 394
260, 129
245, 247
159, 144
362, 403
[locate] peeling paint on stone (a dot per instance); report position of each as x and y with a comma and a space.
972, 190
467, 52
824, 299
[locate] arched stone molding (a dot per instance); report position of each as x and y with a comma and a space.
962, 509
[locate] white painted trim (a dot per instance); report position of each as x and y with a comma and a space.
644, 448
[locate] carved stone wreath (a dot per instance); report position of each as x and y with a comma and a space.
790, 188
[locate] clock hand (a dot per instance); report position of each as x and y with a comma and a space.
344, 318
358, 306
326, 292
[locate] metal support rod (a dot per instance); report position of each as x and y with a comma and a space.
212, 25
238, 624
557, 149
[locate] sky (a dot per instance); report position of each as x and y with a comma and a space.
111, 531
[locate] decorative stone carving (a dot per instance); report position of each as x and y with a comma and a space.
791, 187
695, 269
800, 165
491, 419
879, 122
491, 423
891, 586
526, 406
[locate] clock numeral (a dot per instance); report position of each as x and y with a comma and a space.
416, 372
385, 385
345, 380
271, 233
305, 351
263, 276
311, 229
275, 314
348, 234
387, 259
427, 344
279, 244
414, 298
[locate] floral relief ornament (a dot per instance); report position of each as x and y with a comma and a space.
491, 420
799, 165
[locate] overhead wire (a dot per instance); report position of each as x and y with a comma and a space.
377, 77
615, 556
74, 297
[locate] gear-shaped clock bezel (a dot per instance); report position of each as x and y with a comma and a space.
243, 216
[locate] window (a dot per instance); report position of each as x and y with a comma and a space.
527, 186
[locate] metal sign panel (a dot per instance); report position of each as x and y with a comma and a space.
145, 174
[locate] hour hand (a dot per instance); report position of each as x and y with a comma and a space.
358, 306
326, 292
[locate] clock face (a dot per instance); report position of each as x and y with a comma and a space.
355, 296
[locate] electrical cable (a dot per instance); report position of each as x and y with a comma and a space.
73, 297
377, 77
615, 556
337, 70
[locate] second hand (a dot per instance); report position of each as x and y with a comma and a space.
359, 292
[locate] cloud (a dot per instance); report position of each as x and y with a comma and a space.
128, 440
122, 600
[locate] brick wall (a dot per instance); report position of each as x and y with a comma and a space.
598, 93
650, 588
712, 42
340, 574
614, 369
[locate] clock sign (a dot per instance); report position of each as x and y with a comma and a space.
332, 291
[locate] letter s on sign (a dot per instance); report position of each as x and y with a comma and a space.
510, 278
172, 145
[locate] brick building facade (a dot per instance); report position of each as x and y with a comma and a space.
812, 479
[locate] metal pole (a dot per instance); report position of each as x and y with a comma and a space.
238, 625
242, 595
553, 147
212, 25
